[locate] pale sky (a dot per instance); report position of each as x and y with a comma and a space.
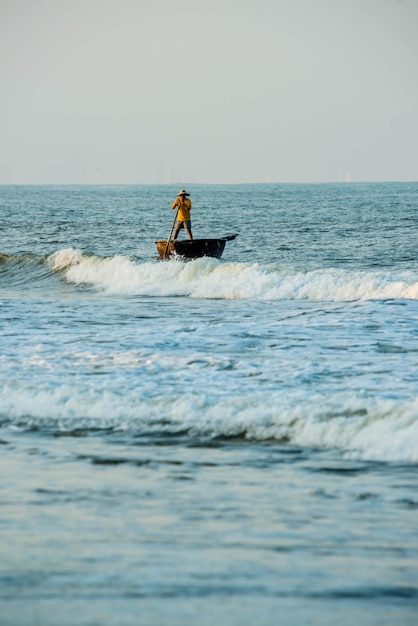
208, 91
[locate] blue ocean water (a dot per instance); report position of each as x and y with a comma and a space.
230, 441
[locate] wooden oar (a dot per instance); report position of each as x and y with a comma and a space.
171, 232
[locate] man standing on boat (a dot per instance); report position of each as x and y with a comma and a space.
183, 206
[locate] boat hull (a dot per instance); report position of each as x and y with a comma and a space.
192, 249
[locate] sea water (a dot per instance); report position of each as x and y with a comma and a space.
227, 441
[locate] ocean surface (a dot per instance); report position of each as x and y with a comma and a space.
230, 442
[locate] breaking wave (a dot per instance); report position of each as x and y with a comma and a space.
362, 428
213, 279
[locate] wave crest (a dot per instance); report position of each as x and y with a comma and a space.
206, 278
362, 428
213, 279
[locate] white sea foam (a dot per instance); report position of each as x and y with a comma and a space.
363, 428
210, 278
62, 259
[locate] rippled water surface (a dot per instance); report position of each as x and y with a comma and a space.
201, 442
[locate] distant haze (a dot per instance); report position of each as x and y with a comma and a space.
208, 91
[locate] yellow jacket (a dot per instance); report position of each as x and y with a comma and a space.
184, 207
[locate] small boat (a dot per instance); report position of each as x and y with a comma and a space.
193, 248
